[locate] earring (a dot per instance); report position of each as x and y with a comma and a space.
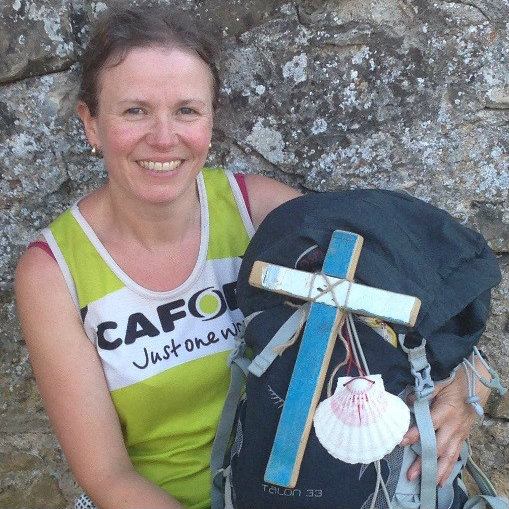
210, 145
94, 151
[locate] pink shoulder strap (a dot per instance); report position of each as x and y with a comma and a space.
42, 245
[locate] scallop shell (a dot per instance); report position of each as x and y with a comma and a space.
361, 422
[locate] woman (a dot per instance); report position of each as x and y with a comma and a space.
129, 349
147, 101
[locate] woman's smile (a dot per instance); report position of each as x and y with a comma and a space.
160, 167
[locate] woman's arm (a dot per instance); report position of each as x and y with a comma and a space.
453, 420
72, 384
265, 195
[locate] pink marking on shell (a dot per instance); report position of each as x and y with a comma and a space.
354, 407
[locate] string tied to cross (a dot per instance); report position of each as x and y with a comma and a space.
329, 288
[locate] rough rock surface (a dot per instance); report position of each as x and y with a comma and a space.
323, 94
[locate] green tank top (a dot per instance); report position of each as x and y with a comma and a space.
164, 353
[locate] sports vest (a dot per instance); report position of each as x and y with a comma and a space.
164, 353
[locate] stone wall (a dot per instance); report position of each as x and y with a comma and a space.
322, 94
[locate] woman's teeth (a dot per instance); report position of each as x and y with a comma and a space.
157, 166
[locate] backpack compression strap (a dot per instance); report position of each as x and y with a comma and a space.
424, 386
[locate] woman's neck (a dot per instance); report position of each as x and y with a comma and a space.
153, 226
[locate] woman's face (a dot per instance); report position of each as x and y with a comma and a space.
154, 123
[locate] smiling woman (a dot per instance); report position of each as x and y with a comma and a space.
130, 335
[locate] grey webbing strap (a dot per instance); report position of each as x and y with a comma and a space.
429, 454
486, 502
488, 497
484, 484
228, 499
424, 386
266, 357
238, 364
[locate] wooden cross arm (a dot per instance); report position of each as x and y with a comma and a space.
360, 299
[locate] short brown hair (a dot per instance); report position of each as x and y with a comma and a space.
121, 29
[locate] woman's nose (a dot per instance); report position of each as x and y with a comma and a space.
163, 133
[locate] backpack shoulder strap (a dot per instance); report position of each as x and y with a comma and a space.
266, 357
238, 366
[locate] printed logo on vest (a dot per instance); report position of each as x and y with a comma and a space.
206, 304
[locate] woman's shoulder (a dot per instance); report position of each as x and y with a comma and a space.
265, 194
36, 267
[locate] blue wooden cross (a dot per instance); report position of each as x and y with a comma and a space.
325, 314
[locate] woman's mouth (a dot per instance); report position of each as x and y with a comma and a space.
159, 166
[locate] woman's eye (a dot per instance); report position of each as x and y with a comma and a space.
134, 111
186, 111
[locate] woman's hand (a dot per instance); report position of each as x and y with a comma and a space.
452, 419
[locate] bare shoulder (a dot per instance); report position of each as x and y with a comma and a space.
35, 267
43, 300
265, 194
38, 276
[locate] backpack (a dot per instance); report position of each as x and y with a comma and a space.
409, 247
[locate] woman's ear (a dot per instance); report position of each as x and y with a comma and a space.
89, 124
